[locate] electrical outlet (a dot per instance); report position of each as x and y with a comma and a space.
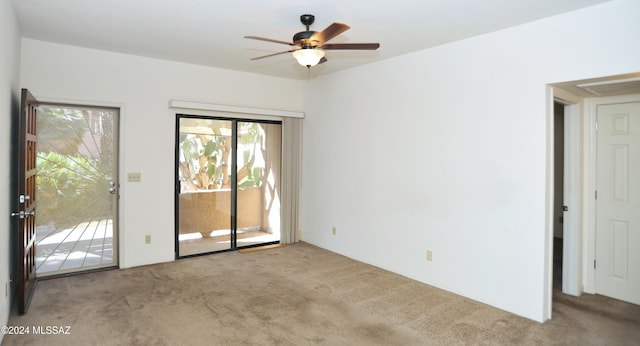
134, 177
333, 230
147, 239
429, 255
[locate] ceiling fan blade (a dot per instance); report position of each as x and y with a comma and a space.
330, 32
357, 46
269, 40
269, 55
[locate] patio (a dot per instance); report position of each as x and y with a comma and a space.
220, 240
86, 246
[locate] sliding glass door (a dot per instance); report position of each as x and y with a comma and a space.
228, 184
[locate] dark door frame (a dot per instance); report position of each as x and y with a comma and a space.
233, 177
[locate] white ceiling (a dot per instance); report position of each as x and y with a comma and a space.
210, 32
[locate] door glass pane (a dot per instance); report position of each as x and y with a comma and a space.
204, 201
217, 209
258, 164
77, 189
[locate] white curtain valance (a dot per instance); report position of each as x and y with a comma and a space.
233, 109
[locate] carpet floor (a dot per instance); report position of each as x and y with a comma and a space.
295, 295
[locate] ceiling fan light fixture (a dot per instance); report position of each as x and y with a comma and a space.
309, 46
308, 57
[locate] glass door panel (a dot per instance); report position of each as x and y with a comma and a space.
228, 174
77, 188
258, 182
204, 198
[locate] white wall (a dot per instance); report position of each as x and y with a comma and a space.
445, 149
9, 98
142, 87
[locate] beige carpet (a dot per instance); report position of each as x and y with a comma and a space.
297, 295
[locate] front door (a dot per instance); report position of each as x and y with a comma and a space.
25, 202
618, 201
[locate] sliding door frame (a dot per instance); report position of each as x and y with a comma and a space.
233, 181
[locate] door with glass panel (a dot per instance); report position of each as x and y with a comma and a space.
77, 187
228, 184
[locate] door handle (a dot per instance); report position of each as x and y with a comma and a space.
112, 190
23, 214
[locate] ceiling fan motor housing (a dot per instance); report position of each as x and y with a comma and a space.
303, 37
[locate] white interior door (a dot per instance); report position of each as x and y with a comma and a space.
618, 201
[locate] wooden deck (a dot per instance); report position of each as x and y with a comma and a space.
86, 246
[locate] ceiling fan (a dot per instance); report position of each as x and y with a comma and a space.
309, 46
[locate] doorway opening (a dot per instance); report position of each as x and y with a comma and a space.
77, 187
558, 193
227, 184
578, 246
